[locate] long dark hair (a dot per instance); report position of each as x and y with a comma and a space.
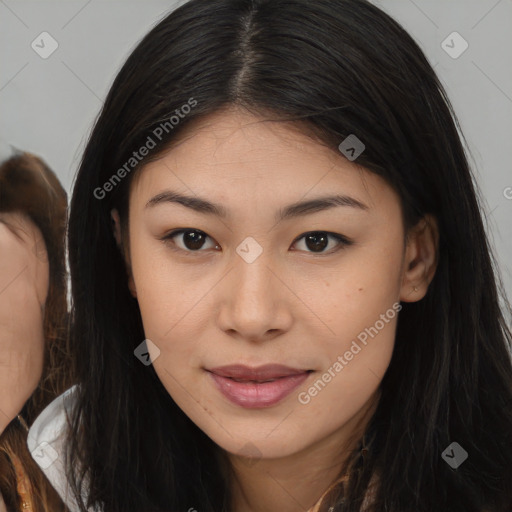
332, 68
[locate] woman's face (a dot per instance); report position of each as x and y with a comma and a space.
268, 283
24, 282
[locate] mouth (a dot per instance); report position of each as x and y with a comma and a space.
264, 373
259, 387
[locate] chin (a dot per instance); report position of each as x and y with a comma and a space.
256, 443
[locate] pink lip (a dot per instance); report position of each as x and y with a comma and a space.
255, 392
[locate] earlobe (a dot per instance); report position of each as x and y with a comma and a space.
116, 228
420, 261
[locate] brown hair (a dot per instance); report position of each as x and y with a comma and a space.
29, 186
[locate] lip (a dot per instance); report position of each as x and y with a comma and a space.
258, 387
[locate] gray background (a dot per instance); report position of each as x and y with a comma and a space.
48, 106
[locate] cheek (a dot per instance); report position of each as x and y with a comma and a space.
172, 293
351, 296
358, 304
172, 310
356, 362
353, 368
21, 365
170, 304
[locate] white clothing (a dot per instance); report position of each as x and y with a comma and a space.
45, 442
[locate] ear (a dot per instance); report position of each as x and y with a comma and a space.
116, 227
420, 259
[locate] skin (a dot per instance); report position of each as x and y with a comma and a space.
24, 283
291, 305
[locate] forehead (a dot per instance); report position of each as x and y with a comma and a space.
232, 156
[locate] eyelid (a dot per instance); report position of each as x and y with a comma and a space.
342, 240
175, 232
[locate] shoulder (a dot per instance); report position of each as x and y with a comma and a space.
46, 443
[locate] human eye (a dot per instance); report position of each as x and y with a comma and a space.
191, 240
188, 240
317, 241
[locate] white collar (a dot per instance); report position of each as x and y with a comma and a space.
46, 438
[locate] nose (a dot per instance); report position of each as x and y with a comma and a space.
255, 303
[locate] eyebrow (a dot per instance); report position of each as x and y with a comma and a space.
297, 209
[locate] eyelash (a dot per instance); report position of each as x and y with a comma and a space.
342, 240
